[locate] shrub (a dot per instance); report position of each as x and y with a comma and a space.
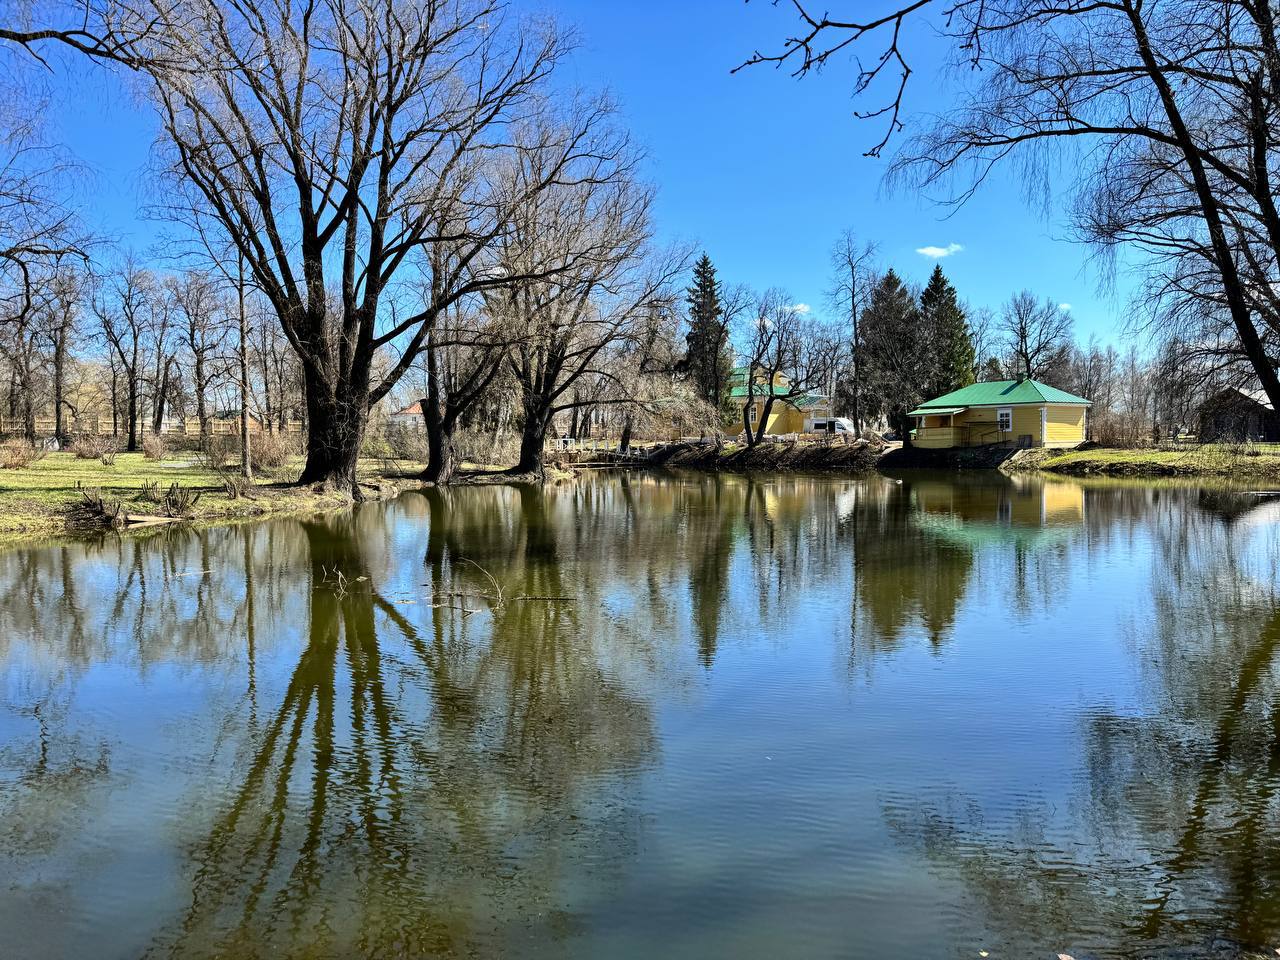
271, 451
219, 452
154, 447
376, 445
407, 443
179, 501
481, 446
89, 447
16, 453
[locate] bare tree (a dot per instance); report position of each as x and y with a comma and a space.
853, 277
64, 301
600, 278
463, 356
199, 302
37, 230
786, 354
341, 143
1036, 333
1174, 107
122, 304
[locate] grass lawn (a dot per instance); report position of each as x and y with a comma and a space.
1245, 462
35, 500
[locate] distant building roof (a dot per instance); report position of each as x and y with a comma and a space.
412, 410
1258, 397
1000, 393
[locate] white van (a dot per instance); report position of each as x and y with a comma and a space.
834, 425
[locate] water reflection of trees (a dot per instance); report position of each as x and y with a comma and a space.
375, 776
411, 792
1167, 836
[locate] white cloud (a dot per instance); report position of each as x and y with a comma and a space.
1064, 307
801, 308
937, 253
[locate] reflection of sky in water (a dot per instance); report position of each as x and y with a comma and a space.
799, 716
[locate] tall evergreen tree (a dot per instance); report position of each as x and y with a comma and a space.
706, 359
945, 337
894, 360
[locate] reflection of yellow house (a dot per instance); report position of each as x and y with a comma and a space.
988, 506
791, 415
1024, 413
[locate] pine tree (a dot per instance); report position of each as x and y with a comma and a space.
706, 357
894, 361
945, 337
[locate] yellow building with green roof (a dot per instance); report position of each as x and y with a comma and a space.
790, 412
1022, 413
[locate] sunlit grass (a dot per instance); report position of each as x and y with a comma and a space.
1236, 460
34, 500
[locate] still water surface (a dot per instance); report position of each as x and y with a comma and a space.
785, 717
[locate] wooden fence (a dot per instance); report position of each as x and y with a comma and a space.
101, 426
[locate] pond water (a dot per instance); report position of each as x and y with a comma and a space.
649, 714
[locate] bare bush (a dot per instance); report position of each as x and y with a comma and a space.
404, 443
219, 453
154, 447
17, 454
179, 501
483, 447
90, 447
271, 451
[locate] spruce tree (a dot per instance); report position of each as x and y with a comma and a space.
945, 336
894, 358
706, 359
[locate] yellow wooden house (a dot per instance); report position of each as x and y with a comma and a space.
1022, 413
791, 415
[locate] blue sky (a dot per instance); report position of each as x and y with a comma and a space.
761, 170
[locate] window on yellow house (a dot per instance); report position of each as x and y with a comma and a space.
1004, 419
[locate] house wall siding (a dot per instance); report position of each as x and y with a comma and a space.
1065, 426
783, 418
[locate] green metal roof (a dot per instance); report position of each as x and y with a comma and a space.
760, 391
1000, 393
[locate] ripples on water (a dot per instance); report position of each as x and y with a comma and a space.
775, 717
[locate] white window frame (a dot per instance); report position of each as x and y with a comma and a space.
755, 412
1001, 414
1044, 426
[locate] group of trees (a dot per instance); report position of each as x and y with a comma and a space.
408, 197
406, 185
1167, 117
901, 346
129, 349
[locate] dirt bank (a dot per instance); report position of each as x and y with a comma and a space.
859, 457
1251, 463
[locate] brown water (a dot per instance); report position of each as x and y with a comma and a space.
650, 715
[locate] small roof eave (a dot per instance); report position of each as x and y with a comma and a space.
935, 411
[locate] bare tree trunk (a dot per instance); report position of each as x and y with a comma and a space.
333, 444
533, 435
201, 388
131, 444
624, 442
246, 462
59, 384
115, 402
442, 455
